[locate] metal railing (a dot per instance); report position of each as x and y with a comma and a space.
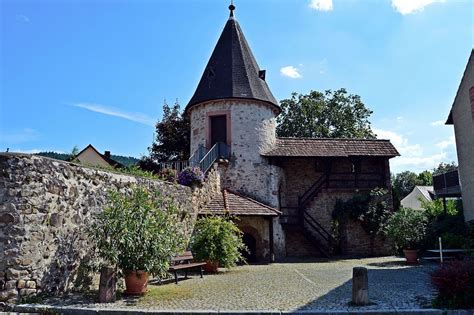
197, 156
175, 165
218, 151
309, 194
201, 158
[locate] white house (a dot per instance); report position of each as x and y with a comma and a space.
418, 194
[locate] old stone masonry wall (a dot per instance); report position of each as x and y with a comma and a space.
46, 204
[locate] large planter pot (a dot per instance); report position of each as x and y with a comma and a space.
411, 255
211, 266
136, 282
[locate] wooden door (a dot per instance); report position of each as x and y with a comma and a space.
218, 129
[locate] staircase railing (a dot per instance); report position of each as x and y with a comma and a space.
197, 156
311, 191
218, 150
319, 236
317, 227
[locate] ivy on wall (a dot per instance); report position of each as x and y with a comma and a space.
371, 210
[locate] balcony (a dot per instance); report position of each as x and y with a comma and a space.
447, 185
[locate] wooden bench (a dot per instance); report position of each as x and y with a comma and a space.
184, 262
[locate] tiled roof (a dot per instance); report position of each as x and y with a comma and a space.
235, 204
232, 71
329, 147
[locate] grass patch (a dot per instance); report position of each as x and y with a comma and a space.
165, 292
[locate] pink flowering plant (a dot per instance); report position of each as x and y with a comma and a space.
191, 176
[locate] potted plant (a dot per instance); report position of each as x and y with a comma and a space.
138, 233
407, 229
191, 176
218, 241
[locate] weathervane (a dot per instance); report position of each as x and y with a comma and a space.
231, 8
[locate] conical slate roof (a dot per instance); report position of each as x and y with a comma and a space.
232, 71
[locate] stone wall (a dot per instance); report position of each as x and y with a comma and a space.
251, 131
354, 240
300, 174
258, 228
46, 204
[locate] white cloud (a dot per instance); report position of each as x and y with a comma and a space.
418, 162
106, 110
437, 123
22, 18
412, 6
446, 143
290, 72
400, 143
25, 135
412, 156
321, 5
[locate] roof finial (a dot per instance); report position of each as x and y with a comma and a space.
231, 8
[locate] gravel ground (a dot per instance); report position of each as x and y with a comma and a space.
285, 287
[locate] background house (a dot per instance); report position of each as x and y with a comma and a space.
91, 157
462, 117
418, 194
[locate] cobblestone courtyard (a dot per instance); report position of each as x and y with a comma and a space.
287, 287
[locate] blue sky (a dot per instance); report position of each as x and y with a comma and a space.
79, 72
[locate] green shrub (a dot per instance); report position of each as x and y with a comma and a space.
138, 231
407, 228
435, 207
370, 209
168, 174
218, 239
454, 283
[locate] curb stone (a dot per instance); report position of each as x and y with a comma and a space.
39, 308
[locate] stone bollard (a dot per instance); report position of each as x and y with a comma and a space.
360, 286
107, 285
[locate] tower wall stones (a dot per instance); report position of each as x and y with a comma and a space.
251, 131
45, 205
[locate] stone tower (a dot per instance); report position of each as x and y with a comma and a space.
234, 105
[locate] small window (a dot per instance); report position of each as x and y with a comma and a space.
210, 72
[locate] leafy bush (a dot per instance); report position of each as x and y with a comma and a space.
407, 228
137, 171
435, 207
370, 209
454, 283
191, 176
218, 239
168, 174
139, 231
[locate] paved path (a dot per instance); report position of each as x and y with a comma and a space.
287, 287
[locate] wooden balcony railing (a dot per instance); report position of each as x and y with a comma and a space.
447, 184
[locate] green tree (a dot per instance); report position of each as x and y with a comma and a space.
425, 178
332, 114
172, 140
444, 167
404, 182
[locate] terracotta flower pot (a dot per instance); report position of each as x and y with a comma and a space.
136, 282
411, 256
211, 266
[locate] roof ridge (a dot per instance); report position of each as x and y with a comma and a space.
328, 138
226, 201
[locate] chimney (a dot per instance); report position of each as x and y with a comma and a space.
107, 154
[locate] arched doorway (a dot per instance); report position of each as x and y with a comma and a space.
251, 243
